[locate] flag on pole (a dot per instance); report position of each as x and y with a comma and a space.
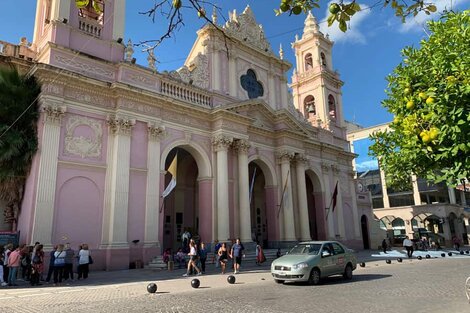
333, 198
332, 201
284, 195
172, 171
252, 184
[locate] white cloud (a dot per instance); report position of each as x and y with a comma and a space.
417, 22
353, 34
367, 165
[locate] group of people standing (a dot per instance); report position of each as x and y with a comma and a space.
28, 261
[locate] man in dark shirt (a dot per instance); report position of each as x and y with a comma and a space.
236, 253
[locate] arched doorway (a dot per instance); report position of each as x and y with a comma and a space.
315, 203
429, 226
365, 232
181, 209
259, 221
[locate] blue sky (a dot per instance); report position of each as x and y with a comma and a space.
364, 56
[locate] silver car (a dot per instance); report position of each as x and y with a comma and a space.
310, 261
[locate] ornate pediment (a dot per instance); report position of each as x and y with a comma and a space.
197, 73
244, 28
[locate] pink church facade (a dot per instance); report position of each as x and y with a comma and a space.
109, 130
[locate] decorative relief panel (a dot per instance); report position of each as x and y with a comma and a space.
83, 146
82, 96
138, 107
261, 139
244, 28
197, 73
84, 68
51, 88
186, 119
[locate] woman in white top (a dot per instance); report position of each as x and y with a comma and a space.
83, 262
192, 258
59, 264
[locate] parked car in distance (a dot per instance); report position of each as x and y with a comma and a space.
313, 260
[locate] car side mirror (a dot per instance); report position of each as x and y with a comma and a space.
325, 254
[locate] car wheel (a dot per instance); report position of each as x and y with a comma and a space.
314, 278
279, 281
348, 272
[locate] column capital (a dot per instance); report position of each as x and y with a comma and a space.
242, 146
156, 133
120, 125
335, 169
221, 142
53, 113
325, 167
284, 156
301, 159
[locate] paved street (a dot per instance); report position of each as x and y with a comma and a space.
435, 285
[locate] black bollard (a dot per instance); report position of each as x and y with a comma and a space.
467, 252
461, 252
231, 279
450, 253
362, 264
400, 260
443, 255
195, 283
152, 288
428, 256
388, 261
419, 257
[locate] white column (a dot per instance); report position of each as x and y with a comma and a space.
356, 221
232, 75
243, 191
287, 206
452, 198
216, 70
339, 203
152, 205
118, 184
221, 144
47, 177
119, 16
284, 101
272, 91
302, 198
462, 198
384, 189
328, 195
60, 10
416, 196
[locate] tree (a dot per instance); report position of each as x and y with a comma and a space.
429, 94
340, 12
18, 135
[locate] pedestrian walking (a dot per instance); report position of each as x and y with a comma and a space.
260, 257
192, 259
456, 242
223, 256
384, 246
203, 257
408, 244
237, 252
216, 258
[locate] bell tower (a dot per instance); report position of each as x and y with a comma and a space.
92, 27
315, 85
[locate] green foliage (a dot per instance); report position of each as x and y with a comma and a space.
18, 132
431, 137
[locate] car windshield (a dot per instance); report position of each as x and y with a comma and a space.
305, 249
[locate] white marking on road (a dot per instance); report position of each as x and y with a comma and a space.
4, 298
35, 295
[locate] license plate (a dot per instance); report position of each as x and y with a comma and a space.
281, 273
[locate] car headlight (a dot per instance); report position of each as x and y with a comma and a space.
299, 266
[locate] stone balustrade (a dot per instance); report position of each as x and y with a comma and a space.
178, 91
91, 27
